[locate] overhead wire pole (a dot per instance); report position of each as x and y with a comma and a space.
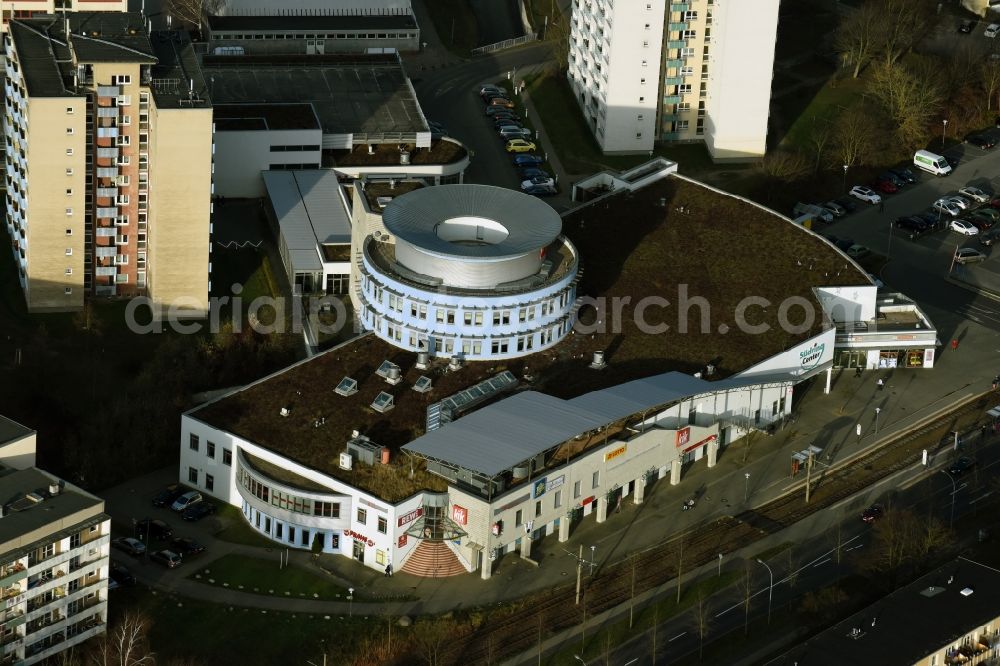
770, 588
809, 467
954, 491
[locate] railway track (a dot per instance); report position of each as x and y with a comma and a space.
503, 633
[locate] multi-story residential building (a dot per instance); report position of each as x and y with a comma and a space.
109, 162
54, 545
698, 70
17, 9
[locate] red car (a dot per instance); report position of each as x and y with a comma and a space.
872, 513
995, 203
884, 185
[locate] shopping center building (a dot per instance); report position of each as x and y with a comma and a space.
399, 449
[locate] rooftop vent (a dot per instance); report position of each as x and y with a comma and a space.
394, 376
364, 450
423, 360
455, 363
598, 363
966, 591
383, 370
53, 489
285, 411
345, 461
383, 201
422, 385
371, 149
383, 402
346, 387
404, 157
34, 497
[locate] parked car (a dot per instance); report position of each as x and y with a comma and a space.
963, 227
121, 575
947, 207
989, 238
504, 121
507, 124
198, 510
933, 218
991, 213
186, 547
501, 102
885, 186
905, 174
528, 160
872, 513
858, 251
186, 500
153, 529
519, 146
980, 222
991, 30
969, 255
541, 190
961, 466
865, 194
961, 202
982, 141
965, 27
490, 89
975, 194
538, 180
168, 495
515, 133
816, 212
167, 558
495, 109
844, 244
506, 114
835, 208
129, 545
893, 178
532, 172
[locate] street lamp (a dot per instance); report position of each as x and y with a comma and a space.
592, 549
746, 493
944, 128
877, 410
954, 491
579, 659
845, 176
350, 598
770, 588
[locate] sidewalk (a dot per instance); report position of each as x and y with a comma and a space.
828, 421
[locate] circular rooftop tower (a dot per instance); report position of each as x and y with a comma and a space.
474, 271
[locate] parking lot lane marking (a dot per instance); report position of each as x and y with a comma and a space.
821, 562
860, 545
683, 633
981, 497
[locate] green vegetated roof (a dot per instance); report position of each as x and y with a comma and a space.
634, 245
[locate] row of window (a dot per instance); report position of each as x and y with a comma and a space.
333, 35
293, 149
421, 341
595, 482
293, 167
444, 315
194, 443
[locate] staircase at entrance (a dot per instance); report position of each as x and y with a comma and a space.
433, 559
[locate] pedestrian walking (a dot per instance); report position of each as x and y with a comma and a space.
857, 429
857, 371
388, 570
954, 344
996, 382
881, 384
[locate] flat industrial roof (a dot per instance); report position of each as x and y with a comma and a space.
310, 212
351, 94
911, 623
310, 23
11, 430
241, 117
23, 516
529, 222
632, 244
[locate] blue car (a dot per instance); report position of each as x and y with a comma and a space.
541, 190
531, 172
528, 160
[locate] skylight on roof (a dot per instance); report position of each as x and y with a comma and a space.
383, 402
346, 387
423, 384
386, 367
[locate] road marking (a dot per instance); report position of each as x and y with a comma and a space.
629, 663
981, 497
683, 633
823, 562
860, 545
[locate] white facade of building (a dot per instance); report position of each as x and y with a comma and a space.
701, 68
468, 274
614, 69
241, 157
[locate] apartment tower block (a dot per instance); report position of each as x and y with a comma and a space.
647, 71
109, 162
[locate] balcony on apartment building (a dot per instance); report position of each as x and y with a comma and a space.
12, 573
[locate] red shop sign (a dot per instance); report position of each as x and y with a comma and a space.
357, 536
409, 517
401, 541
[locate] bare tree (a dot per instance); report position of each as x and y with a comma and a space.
989, 77
126, 645
606, 644
859, 37
430, 637
557, 37
783, 165
902, 24
701, 615
746, 588
911, 96
838, 540
852, 134
190, 13
818, 139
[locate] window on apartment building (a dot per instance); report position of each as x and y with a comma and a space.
70, 130
74, 540
646, 26
69, 271
690, 15
210, 449
558, 500
642, 82
383, 525
595, 479
69, 110
362, 516
638, 135
576, 489
684, 88
69, 232
69, 191
278, 529
517, 518
645, 44
69, 251
193, 442
69, 172
642, 99
291, 534
192, 475
682, 124
69, 151
121, 80
68, 291
227, 457
209, 482
687, 52
690, 34
69, 212
538, 508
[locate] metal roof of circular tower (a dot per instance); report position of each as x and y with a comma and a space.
473, 221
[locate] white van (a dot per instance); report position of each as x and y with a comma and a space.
928, 161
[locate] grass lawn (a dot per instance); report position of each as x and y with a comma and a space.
828, 102
455, 25
262, 576
237, 530
578, 150
664, 609
214, 634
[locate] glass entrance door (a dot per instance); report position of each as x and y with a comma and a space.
359, 551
